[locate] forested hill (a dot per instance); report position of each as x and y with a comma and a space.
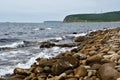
101, 17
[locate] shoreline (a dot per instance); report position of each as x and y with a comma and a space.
95, 53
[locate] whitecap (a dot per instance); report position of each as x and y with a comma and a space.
49, 28
35, 29
13, 45
80, 34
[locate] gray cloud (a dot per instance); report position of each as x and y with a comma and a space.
40, 10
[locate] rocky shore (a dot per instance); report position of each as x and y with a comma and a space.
96, 57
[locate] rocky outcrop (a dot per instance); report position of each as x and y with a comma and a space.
95, 58
50, 44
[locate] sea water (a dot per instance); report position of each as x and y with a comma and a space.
17, 48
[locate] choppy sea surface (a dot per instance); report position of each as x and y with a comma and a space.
17, 41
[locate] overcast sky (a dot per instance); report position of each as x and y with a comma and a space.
44, 10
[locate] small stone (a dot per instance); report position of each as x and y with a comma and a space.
46, 44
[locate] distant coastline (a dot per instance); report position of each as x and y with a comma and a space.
101, 17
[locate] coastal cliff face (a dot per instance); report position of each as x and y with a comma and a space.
96, 57
102, 17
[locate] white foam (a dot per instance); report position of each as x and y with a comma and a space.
46, 53
36, 29
7, 70
13, 45
75, 35
49, 28
52, 39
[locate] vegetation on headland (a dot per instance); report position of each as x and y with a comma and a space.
101, 17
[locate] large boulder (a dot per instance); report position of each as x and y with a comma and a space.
63, 64
108, 72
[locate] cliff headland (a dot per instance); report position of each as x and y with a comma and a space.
101, 17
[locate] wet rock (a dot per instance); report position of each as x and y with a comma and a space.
46, 44
5, 49
66, 45
80, 72
21, 71
63, 64
80, 39
50, 44
107, 72
74, 32
17, 77
75, 50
